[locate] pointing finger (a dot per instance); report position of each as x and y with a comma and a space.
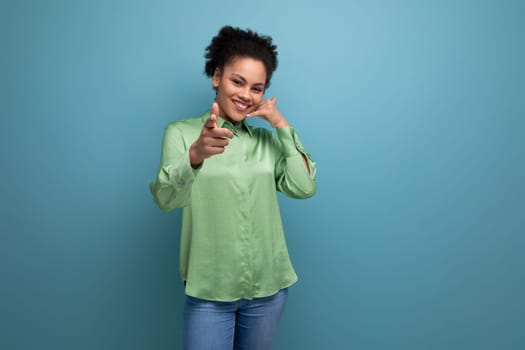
221, 133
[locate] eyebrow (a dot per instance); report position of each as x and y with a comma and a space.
244, 80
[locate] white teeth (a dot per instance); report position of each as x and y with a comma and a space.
240, 105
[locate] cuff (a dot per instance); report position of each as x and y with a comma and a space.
182, 174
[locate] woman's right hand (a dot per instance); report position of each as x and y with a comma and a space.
211, 141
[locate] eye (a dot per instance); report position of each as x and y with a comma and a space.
257, 90
236, 82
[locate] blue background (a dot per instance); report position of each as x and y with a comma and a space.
413, 110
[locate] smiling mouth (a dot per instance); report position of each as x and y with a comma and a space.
241, 107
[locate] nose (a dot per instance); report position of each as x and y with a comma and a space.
245, 93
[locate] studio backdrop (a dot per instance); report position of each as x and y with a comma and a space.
413, 111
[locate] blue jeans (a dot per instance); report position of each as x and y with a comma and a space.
238, 325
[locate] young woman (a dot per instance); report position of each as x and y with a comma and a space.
224, 174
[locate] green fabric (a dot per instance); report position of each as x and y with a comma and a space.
232, 241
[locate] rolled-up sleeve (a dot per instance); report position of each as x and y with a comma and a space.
172, 187
292, 177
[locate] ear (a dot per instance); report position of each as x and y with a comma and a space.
216, 79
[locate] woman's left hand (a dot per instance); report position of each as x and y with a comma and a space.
269, 112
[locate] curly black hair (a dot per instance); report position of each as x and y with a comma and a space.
231, 43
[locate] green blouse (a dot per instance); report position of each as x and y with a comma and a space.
232, 240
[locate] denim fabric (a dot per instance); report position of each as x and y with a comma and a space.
238, 325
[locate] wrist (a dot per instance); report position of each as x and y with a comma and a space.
280, 124
195, 160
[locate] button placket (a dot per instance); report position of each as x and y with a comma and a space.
246, 233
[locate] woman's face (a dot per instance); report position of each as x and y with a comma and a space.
240, 87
